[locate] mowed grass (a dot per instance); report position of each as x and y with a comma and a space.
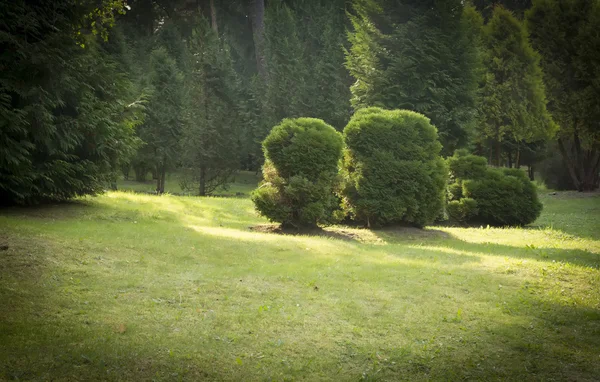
242, 183
139, 287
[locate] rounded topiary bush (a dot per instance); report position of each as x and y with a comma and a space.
392, 170
499, 197
300, 173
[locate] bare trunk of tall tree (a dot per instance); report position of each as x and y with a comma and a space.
258, 34
531, 172
570, 165
498, 148
213, 17
518, 158
202, 189
163, 178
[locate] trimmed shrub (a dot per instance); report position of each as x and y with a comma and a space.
498, 197
462, 210
392, 171
466, 166
300, 173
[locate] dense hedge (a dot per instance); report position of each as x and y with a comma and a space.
392, 171
499, 197
300, 173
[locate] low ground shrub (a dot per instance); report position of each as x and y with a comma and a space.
499, 197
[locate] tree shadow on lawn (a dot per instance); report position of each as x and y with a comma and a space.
355, 234
45, 336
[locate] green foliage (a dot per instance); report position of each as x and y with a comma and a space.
463, 165
306, 76
513, 103
420, 56
161, 131
499, 197
565, 33
66, 117
392, 170
462, 210
213, 114
300, 173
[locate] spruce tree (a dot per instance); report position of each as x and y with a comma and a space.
212, 127
161, 130
513, 103
65, 119
566, 35
417, 55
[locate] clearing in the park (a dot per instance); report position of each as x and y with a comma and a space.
139, 287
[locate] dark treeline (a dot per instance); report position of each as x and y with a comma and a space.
98, 89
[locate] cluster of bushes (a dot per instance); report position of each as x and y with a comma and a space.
391, 171
494, 196
385, 169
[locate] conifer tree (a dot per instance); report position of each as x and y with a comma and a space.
417, 55
212, 129
566, 35
161, 130
65, 119
513, 103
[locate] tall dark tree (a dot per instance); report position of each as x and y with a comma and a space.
566, 35
211, 136
65, 119
513, 102
161, 130
417, 55
258, 32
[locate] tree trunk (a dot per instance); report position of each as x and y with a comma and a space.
591, 167
258, 34
498, 151
140, 173
510, 159
158, 191
531, 172
518, 158
202, 189
570, 165
213, 17
163, 177
579, 160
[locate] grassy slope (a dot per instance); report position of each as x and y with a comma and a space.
127, 286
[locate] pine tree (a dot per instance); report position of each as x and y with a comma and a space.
566, 35
513, 103
211, 137
417, 55
161, 131
65, 120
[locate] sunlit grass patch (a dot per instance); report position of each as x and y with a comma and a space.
131, 286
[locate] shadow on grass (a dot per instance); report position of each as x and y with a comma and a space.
45, 335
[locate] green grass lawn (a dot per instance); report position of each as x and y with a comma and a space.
242, 184
138, 287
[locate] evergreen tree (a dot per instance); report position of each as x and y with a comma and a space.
417, 55
513, 103
212, 133
65, 120
566, 35
161, 130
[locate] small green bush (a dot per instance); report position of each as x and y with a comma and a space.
462, 210
391, 169
466, 166
300, 173
498, 197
